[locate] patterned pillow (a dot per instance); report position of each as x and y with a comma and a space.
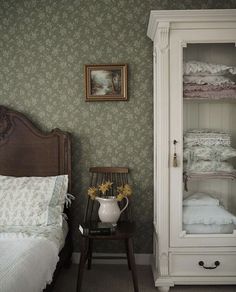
218, 153
32, 200
202, 166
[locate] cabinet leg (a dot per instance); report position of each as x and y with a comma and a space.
132, 264
164, 289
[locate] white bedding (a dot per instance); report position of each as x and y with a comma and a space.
56, 234
32, 232
27, 264
28, 256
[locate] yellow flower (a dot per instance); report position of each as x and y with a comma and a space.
120, 197
127, 191
104, 187
109, 184
92, 192
122, 191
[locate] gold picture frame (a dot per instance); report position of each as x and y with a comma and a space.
106, 82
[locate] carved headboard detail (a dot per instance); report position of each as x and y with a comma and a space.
5, 124
27, 151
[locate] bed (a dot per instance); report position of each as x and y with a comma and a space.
29, 260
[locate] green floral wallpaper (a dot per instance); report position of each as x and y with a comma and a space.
44, 45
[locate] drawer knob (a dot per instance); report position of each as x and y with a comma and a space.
202, 264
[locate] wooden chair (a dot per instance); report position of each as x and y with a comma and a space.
125, 227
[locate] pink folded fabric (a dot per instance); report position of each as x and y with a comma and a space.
210, 91
208, 87
213, 94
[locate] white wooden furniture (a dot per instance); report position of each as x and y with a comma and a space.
209, 36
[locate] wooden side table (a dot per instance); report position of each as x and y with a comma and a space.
124, 231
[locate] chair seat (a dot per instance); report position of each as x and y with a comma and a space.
124, 230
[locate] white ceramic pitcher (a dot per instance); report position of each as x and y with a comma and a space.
109, 211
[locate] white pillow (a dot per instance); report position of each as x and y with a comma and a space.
207, 215
200, 199
32, 200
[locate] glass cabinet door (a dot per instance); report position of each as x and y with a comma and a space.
202, 139
209, 138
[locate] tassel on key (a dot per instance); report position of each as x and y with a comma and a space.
175, 160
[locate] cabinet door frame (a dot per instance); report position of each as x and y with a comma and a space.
179, 39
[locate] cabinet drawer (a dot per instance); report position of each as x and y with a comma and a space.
182, 264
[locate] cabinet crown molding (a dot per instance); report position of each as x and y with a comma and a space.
157, 17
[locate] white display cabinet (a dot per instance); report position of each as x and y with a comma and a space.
194, 69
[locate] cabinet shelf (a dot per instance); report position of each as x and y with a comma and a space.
207, 175
212, 100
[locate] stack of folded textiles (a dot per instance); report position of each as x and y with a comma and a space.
207, 151
203, 213
208, 81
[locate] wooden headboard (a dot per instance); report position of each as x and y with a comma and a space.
27, 151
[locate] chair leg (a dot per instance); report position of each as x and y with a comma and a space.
83, 258
132, 264
127, 253
90, 253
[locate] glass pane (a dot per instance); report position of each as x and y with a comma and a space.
209, 123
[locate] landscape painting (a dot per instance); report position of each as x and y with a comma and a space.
106, 82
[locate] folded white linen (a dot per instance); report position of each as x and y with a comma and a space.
200, 199
201, 68
206, 137
26, 265
209, 229
207, 79
207, 215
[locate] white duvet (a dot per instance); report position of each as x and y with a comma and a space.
27, 264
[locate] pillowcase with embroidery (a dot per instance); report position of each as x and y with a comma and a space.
206, 139
32, 200
202, 166
218, 153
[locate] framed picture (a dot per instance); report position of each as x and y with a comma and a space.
106, 82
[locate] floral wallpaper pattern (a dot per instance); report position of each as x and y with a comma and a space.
44, 45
